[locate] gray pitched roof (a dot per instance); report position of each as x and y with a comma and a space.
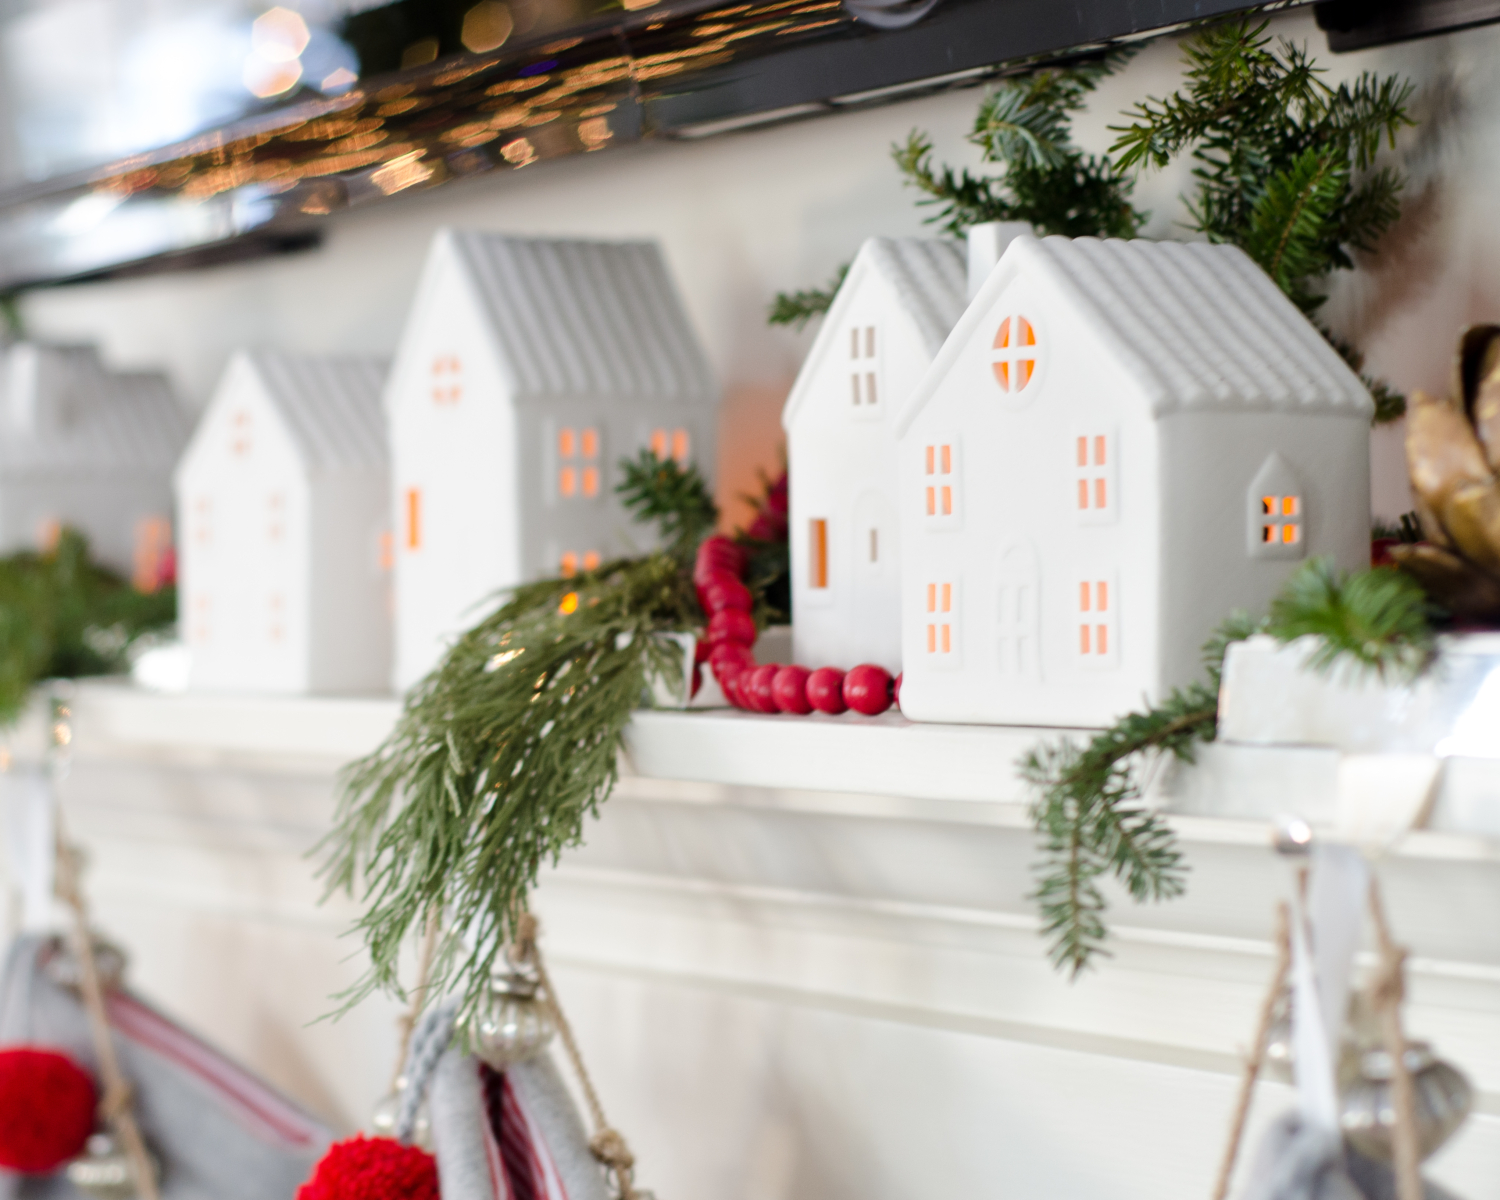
332, 406
85, 418
930, 279
1199, 326
581, 319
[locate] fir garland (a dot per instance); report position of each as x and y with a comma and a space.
515, 737
1089, 811
62, 615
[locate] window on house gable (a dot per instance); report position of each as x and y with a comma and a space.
817, 552
940, 481
675, 444
1097, 629
1014, 354
413, 516
153, 550
447, 379
571, 562
1093, 452
578, 462
864, 372
1276, 506
239, 433
941, 639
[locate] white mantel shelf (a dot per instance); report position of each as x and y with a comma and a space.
771, 918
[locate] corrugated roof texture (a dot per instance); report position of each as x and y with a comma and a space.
332, 406
91, 419
578, 319
1201, 324
931, 279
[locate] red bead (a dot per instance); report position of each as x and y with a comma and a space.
825, 690
790, 689
729, 657
732, 625
896, 690
759, 689
868, 689
721, 591
46, 1109
718, 554
729, 684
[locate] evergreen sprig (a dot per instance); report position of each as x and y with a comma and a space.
798, 308
62, 615
1089, 811
501, 752
1284, 164
1025, 126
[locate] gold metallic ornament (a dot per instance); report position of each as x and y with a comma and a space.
513, 1024
103, 1170
1443, 1099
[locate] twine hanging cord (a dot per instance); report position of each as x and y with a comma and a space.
608, 1144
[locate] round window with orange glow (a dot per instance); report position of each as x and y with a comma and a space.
1015, 352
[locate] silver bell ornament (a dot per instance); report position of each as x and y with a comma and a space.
513, 1024
62, 967
1442, 1093
388, 1111
104, 1171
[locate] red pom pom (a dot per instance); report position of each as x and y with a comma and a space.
896, 690
721, 590
46, 1109
825, 691
867, 689
790, 689
757, 689
731, 625
380, 1168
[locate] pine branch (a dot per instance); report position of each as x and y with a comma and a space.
1378, 619
1288, 224
674, 497
798, 308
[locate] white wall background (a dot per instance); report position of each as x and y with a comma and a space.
744, 215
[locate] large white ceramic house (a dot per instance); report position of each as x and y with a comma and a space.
527, 370
1120, 442
887, 322
88, 448
283, 501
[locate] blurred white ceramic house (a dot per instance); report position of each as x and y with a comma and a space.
92, 449
283, 500
527, 370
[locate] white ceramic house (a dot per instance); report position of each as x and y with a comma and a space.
527, 370
888, 321
1119, 443
89, 448
283, 501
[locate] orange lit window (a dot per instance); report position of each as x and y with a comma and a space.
569, 564
1281, 520
413, 518
1093, 459
1014, 358
239, 433
1096, 618
940, 618
572, 561
578, 452
673, 443
154, 565
591, 560
940, 485
447, 379
817, 553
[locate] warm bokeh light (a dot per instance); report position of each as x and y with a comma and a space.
338, 81
424, 50
569, 604
265, 79
279, 35
486, 26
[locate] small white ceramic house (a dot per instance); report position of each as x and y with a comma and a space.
887, 322
88, 448
527, 370
283, 500
1119, 443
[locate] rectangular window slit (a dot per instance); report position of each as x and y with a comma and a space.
1083, 452
930, 451
1102, 633
869, 341
817, 539
932, 639
1099, 494
1083, 493
947, 460
854, 383
947, 597
1099, 451
947, 501
413, 518
1083, 639
870, 388
874, 545
947, 639
854, 343
1083, 597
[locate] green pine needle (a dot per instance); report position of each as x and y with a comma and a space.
1377, 619
798, 308
675, 497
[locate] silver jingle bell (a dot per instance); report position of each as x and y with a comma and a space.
513, 1024
61, 965
388, 1110
1443, 1099
104, 1169
1276, 1063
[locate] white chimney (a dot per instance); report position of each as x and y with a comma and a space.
987, 243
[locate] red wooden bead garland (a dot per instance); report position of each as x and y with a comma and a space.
771, 687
